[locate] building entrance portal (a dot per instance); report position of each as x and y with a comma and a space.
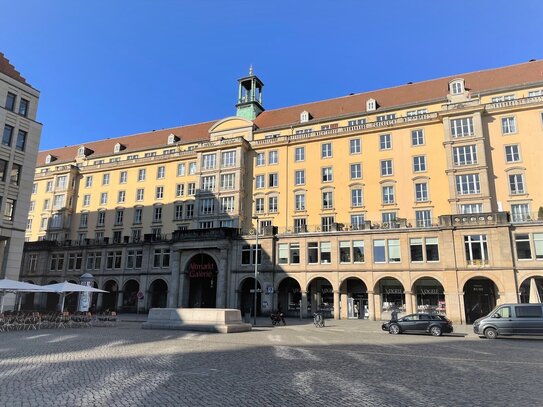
202, 276
479, 298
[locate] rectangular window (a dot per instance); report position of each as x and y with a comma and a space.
208, 183
15, 175
467, 184
385, 142
259, 205
299, 154
57, 262
3, 167
207, 206
227, 204
228, 158
119, 215
208, 161
138, 215
181, 170
134, 259
356, 171
419, 163
139, 194
462, 127
394, 255
113, 260
248, 254
421, 192
355, 146
103, 198
357, 222
299, 177
300, 225
88, 181
509, 125
21, 140
121, 197
416, 250
299, 202
388, 194
228, 181
23, 107
157, 214
345, 252
180, 190
282, 253
295, 253
379, 255
83, 220
160, 172
192, 168
259, 182
326, 252
356, 198
10, 101
178, 212
191, 189
327, 174
312, 252
357, 122
538, 246
471, 208
326, 150
358, 251
423, 218
159, 192
260, 159
516, 184
465, 155
58, 201
273, 180
326, 223
327, 200
272, 204
7, 135
417, 137
432, 249
190, 211
386, 168
512, 153
273, 157
123, 177
522, 242
520, 212
476, 250
101, 219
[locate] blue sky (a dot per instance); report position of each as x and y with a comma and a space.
112, 68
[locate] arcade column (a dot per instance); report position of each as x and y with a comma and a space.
173, 284
221, 278
408, 302
337, 304
304, 304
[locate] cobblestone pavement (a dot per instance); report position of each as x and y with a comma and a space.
347, 363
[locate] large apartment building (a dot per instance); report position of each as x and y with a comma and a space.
18, 153
424, 196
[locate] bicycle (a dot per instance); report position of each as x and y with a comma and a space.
318, 319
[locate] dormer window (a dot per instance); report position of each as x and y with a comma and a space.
172, 138
118, 147
456, 87
81, 151
304, 116
49, 158
371, 105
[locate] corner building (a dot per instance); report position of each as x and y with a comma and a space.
424, 196
18, 152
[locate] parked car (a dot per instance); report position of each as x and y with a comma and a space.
429, 323
511, 319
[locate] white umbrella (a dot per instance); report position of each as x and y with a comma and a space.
67, 287
13, 286
534, 293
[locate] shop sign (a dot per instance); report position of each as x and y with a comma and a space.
429, 291
202, 270
327, 290
393, 290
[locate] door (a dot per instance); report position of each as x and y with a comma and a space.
505, 322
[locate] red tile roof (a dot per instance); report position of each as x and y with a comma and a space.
415, 93
7, 69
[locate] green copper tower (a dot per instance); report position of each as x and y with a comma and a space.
249, 104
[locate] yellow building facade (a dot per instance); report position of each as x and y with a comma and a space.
420, 197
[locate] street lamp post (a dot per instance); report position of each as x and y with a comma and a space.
256, 270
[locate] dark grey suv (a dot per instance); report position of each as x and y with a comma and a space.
511, 319
429, 323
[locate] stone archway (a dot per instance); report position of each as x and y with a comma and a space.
354, 296
289, 297
480, 295
429, 296
201, 274
109, 299
130, 295
158, 294
52, 300
246, 297
392, 297
525, 290
320, 296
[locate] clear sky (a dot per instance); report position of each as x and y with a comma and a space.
107, 68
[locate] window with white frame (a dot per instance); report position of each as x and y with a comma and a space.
88, 182
207, 206
356, 197
161, 258
259, 182
139, 194
465, 155
326, 223
192, 168
299, 154
299, 202
138, 215
467, 184
356, 122
179, 190
512, 153
159, 192
327, 175
417, 112
424, 249
84, 220
355, 147
134, 259
326, 150
299, 177
228, 158
273, 180
209, 161
417, 137
509, 125
523, 247
191, 190
228, 181
273, 204
105, 179
141, 174
419, 163
385, 117
462, 127
181, 170
227, 204
123, 177
421, 191
356, 171
101, 218
327, 200
47, 204
423, 218
119, 216
520, 212
471, 208
260, 159
326, 252
273, 157
386, 251
103, 198
178, 212
385, 142
208, 183
58, 201
161, 172
357, 222
190, 211
476, 249
157, 214
516, 184
503, 98
388, 194
457, 87
386, 168
300, 225
259, 205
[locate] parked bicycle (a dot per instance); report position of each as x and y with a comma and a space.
318, 319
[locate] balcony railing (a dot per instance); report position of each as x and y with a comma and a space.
515, 102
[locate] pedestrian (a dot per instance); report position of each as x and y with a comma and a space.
394, 314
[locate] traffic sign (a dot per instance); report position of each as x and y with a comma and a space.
258, 290
140, 295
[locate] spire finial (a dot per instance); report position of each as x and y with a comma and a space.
251, 70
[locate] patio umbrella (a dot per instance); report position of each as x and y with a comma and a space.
534, 293
14, 286
67, 287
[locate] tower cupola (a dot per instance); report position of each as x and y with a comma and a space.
249, 104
